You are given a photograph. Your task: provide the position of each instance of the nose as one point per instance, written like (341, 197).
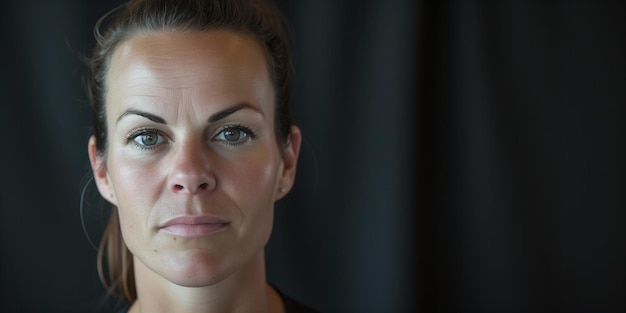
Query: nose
(191, 171)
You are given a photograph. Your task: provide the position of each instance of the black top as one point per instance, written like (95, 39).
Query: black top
(291, 306)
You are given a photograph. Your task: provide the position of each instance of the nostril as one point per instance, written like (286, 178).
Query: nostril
(181, 188)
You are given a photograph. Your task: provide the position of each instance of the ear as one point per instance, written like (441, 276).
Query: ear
(100, 175)
(290, 152)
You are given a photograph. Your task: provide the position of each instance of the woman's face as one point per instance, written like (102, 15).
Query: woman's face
(193, 164)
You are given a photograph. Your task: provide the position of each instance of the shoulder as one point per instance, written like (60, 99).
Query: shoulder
(124, 308)
(292, 306)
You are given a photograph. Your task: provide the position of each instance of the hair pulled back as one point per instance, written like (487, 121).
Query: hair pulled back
(258, 18)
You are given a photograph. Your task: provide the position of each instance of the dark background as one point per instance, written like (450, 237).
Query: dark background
(459, 156)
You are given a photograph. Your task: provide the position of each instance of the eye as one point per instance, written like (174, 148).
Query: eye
(147, 138)
(234, 135)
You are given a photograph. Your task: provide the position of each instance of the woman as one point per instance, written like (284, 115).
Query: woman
(193, 143)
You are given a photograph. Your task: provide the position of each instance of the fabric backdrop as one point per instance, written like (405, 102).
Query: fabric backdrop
(458, 156)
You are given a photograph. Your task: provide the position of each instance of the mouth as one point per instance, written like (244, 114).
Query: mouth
(194, 226)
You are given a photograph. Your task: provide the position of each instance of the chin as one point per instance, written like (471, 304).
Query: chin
(196, 268)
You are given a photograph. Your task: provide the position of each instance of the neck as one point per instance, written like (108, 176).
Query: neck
(242, 292)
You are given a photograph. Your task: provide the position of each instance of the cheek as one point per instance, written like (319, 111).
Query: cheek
(255, 177)
(252, 183)
(134, 180)
(136, 185)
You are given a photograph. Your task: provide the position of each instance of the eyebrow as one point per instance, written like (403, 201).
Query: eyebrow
(224, 113)
(147, 115)
(212, 119)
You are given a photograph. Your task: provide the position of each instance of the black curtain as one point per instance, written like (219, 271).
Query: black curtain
(522, 177)
(458, 156)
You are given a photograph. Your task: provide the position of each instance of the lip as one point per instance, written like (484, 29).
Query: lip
(194, 226)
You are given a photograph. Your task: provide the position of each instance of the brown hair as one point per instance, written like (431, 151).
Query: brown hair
(256, 17)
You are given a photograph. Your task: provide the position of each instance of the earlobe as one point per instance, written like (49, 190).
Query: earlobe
(290, 152)
(100, 175)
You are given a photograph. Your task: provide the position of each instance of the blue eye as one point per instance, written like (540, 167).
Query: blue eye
(234, 135)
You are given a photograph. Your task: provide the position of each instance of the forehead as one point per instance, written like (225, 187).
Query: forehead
(180, 64)
(204, 51)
